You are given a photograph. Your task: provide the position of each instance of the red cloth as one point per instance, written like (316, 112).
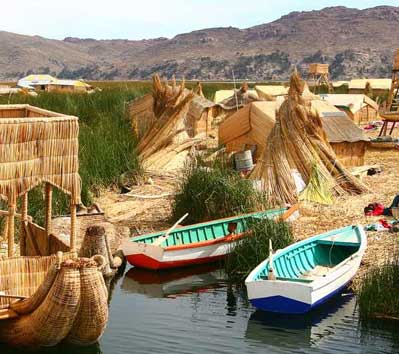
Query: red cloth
(385, 223)
(378, 210)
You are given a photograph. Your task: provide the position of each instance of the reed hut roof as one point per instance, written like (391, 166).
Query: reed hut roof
(257, 119)
(379, 84)
(353, 102)
(38, 146)
(271, 90)
(340, 128)
(340, 83)
(238, 99)
(33, 80)
(222, 95)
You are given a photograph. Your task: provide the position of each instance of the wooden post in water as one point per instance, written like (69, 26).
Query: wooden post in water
(49, 212)
(24, 220)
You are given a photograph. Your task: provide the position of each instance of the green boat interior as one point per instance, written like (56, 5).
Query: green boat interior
(208, 231)
(309, 260)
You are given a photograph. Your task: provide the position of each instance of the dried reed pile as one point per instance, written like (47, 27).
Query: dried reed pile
(168, 136)
(298, 142)
(66, 300)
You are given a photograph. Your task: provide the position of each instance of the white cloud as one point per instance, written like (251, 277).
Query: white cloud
(135, 19)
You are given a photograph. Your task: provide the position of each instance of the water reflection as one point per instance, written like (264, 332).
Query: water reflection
(301, 330)
(174, 282)
(196, 310)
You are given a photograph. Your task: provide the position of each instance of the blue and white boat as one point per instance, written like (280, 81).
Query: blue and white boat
(307, 273)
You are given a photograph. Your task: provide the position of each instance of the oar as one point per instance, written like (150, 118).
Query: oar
(271, 275)
(163, 238)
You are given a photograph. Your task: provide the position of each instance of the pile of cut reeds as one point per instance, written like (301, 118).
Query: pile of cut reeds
(167, 141)
(298, 142)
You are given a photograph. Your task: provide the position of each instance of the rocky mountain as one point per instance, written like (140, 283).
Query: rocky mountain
(354, 42)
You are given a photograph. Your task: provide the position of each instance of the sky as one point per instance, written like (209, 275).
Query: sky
(139, 19)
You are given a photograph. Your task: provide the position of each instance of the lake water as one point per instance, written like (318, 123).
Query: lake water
(196, 311)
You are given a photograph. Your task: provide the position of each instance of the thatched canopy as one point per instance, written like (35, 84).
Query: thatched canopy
(37, 146)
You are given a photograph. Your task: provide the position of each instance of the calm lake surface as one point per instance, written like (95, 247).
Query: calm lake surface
(196, 311)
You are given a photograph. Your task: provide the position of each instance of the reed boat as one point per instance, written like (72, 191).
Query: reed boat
(46, 300)
(194, 244)
(307, 273)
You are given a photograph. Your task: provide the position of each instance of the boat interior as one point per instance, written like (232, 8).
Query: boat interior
(207, 231)
(311, 260)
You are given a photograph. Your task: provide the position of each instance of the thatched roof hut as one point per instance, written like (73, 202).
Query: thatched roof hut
(360, 108)
(221, 95)
(270, 92)
(37, 146)
(251, 125)
(379, 86)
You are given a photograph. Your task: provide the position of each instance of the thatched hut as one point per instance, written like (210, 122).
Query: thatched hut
(48, 83)
(271, 92)
(380, 87)
(44, 300)
(37, 146)
(221, 95)
(359, 107)
(251, 125)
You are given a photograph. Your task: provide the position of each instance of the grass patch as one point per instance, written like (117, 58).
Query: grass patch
(378, 294)
(107, 146)
(209, 193)
(252, 250)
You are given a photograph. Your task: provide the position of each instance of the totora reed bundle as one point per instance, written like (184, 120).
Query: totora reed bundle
(168, 136)
(298, 142)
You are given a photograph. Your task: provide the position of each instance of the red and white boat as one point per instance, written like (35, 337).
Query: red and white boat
(194, 244)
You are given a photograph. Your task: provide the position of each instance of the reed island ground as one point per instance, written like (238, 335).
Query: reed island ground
(143, 213)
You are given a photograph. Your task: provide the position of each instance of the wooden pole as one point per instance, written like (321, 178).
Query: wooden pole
(11, 227)
(24, 217)
(48, 204)
(73, 226)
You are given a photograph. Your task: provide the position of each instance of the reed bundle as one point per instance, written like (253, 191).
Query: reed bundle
(168, 135)
(296, 142)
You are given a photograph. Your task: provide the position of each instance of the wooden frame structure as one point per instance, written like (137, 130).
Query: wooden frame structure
(318, 75)
(37, 146)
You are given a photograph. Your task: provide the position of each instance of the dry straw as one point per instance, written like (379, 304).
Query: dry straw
(298, 141)
(37, 146)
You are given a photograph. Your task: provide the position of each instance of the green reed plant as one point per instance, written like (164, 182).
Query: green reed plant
(248, 252)
(378, 293)
(213, 192)
(107, 146)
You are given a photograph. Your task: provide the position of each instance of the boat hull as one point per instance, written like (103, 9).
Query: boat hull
(143, 254)
(180, 258)
(299, 297)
